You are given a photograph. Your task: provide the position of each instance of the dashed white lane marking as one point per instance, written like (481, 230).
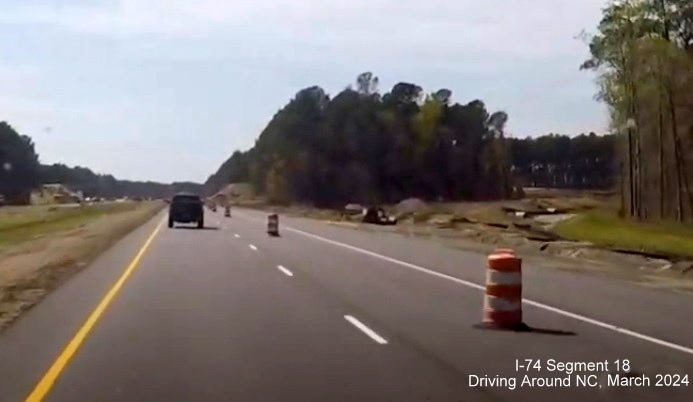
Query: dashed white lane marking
(285, 271)
(236, 235)
(358, 324)
(252, 247)
(533, 303)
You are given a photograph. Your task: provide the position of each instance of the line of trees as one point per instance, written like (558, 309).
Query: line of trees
(361, 146)
(560, 161)
(19, 164)
(643, 53)
(104, 185)
(21, 172)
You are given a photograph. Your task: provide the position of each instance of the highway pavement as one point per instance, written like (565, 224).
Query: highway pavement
(324, 313)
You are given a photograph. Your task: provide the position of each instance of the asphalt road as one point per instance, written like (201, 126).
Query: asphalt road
(323, 313)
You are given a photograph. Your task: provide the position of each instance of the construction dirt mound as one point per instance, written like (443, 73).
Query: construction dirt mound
(411, 206)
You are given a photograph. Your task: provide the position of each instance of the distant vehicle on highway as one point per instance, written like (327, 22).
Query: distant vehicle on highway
(186, 208)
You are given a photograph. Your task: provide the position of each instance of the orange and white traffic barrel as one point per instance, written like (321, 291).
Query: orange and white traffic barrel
(503, 295)
(273, 225)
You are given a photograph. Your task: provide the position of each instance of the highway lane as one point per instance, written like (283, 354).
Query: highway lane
(647, 310)
(29, 346)
(216, 321)
(437, 315)
(207, 318)
(233, 314)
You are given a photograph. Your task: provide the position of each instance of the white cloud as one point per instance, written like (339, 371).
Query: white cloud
(467, 36)
(16, 106)
(514, 28)
(15, 79)
(141, 55)
(31, 117)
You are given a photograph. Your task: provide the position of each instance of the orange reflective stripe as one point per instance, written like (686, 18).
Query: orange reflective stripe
(510, 292)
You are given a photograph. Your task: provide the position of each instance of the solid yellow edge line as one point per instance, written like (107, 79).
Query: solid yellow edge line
(49, 378)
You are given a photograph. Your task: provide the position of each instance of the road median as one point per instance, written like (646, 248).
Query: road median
(43, 247)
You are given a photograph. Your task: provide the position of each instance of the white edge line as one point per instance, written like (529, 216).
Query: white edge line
(252, 247)
(358, 324)
(236, 235)
(285, 271)
(546, 307)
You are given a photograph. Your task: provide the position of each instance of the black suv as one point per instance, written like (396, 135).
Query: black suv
(186, 208)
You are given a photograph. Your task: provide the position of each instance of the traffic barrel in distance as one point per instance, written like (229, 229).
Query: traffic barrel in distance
(503, 295)
(273, 225)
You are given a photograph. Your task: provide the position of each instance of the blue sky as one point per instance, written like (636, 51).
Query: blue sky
(167, 89)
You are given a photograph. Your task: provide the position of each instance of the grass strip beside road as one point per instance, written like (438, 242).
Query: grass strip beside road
(609, 231)
(20, 224)
(33, 267)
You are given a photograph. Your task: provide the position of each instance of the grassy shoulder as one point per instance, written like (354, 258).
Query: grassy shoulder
(20, 224)
(609, 231)
(47, 247)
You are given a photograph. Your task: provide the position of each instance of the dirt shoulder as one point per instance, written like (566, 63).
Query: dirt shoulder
(45, 252)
